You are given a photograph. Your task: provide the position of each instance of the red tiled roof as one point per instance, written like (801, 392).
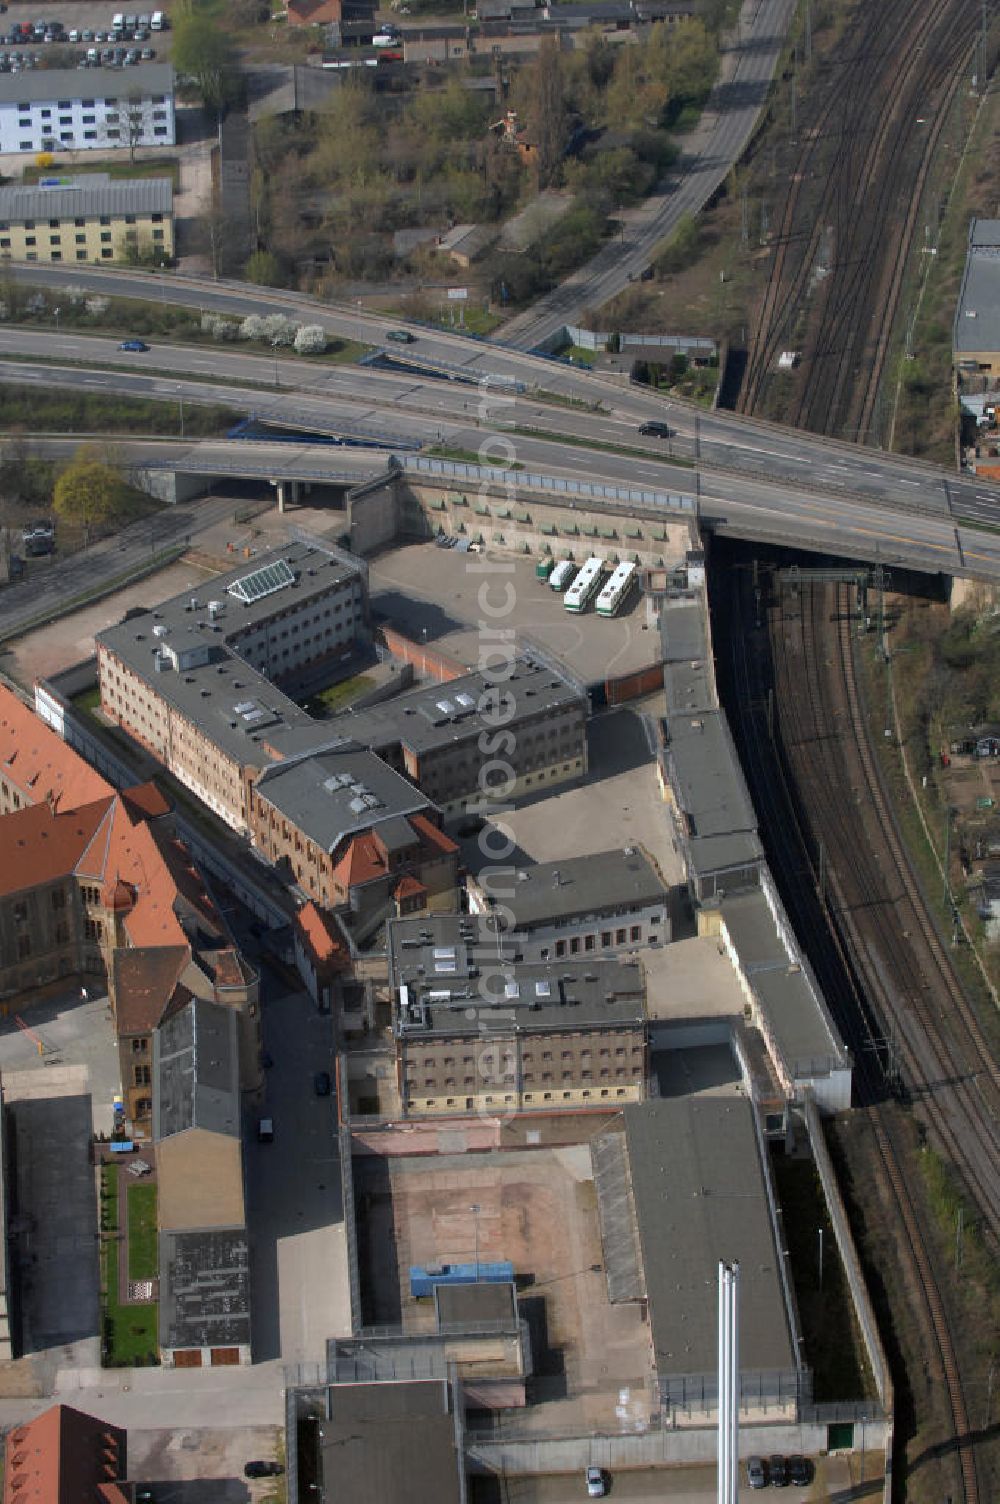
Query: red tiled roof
(39, 763)
(146, 982)
(362, 862)
(320, 936)
(430, 833)
(38, 846)
(408, 887)
(64, 1456)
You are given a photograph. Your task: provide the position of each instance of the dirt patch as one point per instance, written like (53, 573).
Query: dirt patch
(537, 1210)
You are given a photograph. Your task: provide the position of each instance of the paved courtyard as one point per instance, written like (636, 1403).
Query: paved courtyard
(423, 589)
(619, 802)
(538, 1210)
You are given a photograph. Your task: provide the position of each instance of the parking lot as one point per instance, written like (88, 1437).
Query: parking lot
(837, 1478)
(433, 595)
(60, 51)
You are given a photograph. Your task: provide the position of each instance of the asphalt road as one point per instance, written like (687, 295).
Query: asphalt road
(767, 483)
(708, 154)
(721, 441)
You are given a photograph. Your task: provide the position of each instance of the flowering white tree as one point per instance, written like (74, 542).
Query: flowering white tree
(310, 340)
(219, 328)
(253, 327)
(278, 330)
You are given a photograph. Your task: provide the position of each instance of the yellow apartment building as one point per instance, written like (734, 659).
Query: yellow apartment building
(88, 218)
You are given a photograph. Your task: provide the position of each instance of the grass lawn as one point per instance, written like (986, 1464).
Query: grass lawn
(328, 701)
(130, 1332)
(142, 1262)
(88, 699)
(115, 167)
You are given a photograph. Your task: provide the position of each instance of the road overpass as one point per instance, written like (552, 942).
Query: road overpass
(748, 475)
(707, 155)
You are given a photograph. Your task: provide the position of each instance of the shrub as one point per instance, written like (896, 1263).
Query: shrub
(310, 339)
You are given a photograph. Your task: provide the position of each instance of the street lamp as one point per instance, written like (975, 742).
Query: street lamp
(180, 407)
(475, 1209)
(57, 312)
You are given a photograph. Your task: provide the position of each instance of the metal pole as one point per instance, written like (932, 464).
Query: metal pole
(820, 1230)
(722, 1481)
(734, 1380)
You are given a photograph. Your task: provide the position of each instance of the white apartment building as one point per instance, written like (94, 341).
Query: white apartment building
(87, 109)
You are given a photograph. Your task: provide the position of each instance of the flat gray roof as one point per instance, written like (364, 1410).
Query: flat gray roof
(338, 793)
(205, 1288)
(700, 1196)
(795, 1012)
(455, 984)
(467, 1307)
(688, 677)
(39, 85)
(977, 317)
(196, 1064)
(712, 793)
(96, 193)
(438, 714)
(620, 878)
(391, 1443)
(232, 702)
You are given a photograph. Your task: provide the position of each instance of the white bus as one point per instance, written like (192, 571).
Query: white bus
(617, 589)
(583, 587)
(562, 574)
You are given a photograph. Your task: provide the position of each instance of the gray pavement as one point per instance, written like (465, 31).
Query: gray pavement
(837, 1479)
(294, 1208)
(432, 594)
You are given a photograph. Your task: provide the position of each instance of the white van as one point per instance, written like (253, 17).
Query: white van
(157, 21)
(118, 21)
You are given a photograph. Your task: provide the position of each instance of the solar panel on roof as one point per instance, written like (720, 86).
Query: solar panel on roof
(264, 581)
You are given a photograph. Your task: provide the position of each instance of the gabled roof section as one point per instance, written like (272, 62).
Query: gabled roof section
(38, 846)
(40, 764)
(64, 1456)
(146, 984)
(197, 1071)
(320, 938)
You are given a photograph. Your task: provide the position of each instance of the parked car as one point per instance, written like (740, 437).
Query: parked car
(136, 346)
(147, 54)
(779, 1473)
(756, 1472)
(800, 1471)
(400, 336)
(596, 1485)
(265, 1135)
(654, 430)
(321, 1083)
(263, 1470)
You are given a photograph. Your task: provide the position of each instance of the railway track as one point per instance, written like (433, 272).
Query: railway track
(844, 878)
(905, 65)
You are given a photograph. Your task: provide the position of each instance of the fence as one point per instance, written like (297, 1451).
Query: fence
(591, 339)
(347, 1193)
(555, 484)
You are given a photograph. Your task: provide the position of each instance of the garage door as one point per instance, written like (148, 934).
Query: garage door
(189, 1357)
(225, 1357)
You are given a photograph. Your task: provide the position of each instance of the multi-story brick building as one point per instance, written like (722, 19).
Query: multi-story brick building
(579, 908)
(477, 738)
(192, 679)
(354, 835)
(103, 888)
(477, 1033)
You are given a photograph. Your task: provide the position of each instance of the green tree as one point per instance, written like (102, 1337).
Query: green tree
(263, 268)
(201, 51)
(88, 491)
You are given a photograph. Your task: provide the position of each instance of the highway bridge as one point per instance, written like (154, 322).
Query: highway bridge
(751, 478)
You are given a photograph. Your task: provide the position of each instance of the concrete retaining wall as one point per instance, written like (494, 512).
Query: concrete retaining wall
(694, 1444)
